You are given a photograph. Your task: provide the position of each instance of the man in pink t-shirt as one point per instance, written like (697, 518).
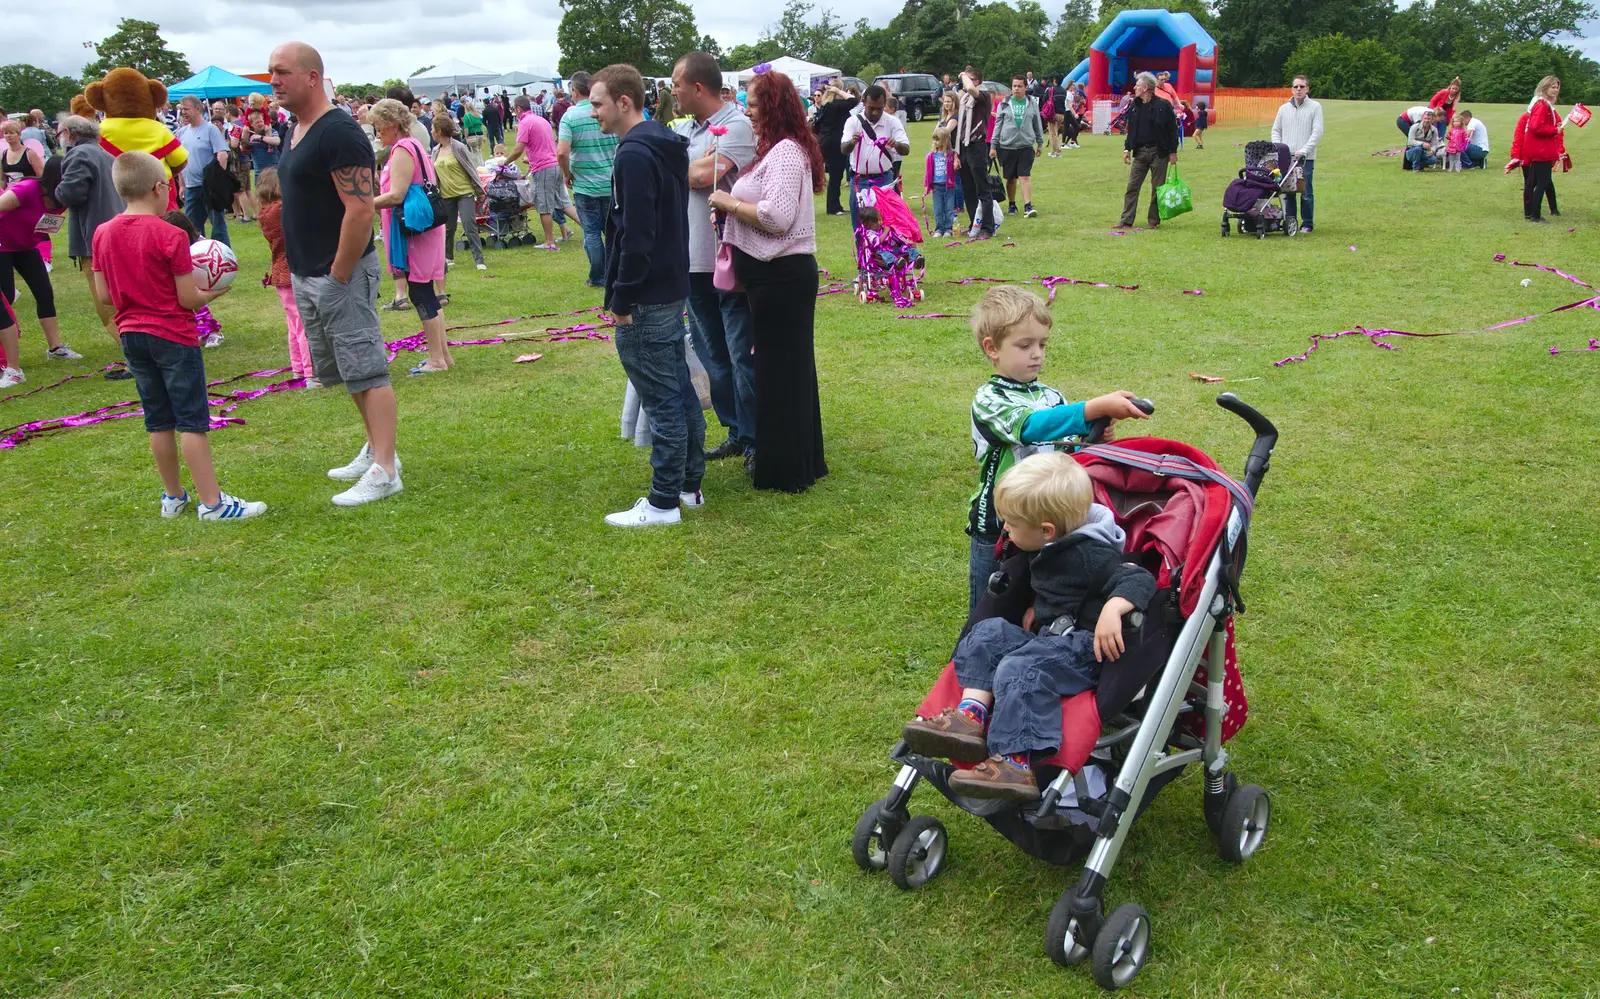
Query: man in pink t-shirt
(537, 140)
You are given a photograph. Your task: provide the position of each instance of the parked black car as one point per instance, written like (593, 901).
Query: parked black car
(918, 93)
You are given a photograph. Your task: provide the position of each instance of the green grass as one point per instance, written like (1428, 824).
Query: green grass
(470, 742)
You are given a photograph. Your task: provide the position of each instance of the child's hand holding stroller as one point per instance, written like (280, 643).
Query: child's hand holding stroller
(1114, 406)
(1108, 643)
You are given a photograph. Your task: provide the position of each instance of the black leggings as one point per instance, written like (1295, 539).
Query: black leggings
(424, 298)
(1071, 125)
(836, 163)
(974, 180)
(1538, 183)
(30, 265)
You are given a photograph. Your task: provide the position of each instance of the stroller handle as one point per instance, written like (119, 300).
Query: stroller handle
(1260, 459)
(1099, 425)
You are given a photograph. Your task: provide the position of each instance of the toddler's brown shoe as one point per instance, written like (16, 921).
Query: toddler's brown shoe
(950, 734)
(995, 777)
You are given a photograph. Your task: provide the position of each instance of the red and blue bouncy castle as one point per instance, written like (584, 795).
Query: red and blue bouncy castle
(1151, 40)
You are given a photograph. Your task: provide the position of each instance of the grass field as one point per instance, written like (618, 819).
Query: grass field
(471, 742)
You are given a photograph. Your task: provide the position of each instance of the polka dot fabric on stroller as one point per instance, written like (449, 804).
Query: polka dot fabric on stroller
(888, 264)
(1170, 701)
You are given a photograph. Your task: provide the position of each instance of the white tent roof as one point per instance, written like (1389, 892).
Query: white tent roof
(452, 74)
(798, 70)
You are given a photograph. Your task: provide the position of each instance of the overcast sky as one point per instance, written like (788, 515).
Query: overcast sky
(367, 41)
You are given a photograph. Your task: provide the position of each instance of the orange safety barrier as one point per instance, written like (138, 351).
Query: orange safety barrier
(1248, 111)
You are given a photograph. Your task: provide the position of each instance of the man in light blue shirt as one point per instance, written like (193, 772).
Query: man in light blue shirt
(205, 145)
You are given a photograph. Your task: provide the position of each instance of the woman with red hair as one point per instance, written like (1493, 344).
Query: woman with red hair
(771, 234)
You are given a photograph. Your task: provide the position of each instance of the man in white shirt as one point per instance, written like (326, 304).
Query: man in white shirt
(872, 142)
(1477, 153)
(1299, 126)
(1410, 116)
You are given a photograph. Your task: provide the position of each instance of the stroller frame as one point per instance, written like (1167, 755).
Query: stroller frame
(1156, 751)
(1288, 183)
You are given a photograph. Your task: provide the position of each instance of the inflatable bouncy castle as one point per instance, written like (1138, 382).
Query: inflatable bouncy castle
(1153, 40)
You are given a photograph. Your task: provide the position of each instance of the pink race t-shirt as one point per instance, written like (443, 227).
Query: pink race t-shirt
(538, 140)
(17, 227)
(139, 256)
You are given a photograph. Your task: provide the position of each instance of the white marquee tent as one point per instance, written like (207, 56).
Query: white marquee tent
(798, 70)
(452, 74)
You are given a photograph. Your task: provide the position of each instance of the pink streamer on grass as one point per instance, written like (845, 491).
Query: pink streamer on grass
(1501, 258)
(45, 388)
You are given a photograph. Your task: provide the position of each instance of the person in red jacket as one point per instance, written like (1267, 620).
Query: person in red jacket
(1541, 144)
(1444, 105)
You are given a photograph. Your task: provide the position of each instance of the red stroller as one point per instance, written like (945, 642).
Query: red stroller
(1170, 701)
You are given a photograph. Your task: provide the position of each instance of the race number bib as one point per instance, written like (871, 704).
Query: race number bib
(48, 225)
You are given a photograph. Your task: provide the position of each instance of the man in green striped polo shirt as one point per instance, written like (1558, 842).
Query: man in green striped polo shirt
(585, 155)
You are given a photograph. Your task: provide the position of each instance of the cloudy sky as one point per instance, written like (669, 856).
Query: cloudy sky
(369, 40)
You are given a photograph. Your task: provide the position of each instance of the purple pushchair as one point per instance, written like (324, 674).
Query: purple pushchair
(1255, 198)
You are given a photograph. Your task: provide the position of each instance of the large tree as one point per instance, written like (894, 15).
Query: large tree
(1257, 36)
(24, 87)
(1342, 69)
(138, 45)
(1005, 41)
(648, 34)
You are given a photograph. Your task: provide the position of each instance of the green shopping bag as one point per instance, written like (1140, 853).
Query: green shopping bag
(1172, 198)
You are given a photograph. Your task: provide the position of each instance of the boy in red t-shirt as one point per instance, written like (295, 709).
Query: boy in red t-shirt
(142, 268)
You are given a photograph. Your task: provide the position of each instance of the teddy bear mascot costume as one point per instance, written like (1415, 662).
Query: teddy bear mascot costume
(129, 101)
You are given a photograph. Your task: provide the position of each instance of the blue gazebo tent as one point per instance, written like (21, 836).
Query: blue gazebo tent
(211, 83)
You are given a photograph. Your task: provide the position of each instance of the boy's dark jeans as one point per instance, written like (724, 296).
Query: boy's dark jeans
(652, 351)
(1029, 675)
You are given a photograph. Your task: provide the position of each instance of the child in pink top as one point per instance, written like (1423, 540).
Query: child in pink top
(942, 180)
(1455, 143)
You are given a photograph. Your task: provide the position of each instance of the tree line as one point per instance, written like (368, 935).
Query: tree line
(1352, 49)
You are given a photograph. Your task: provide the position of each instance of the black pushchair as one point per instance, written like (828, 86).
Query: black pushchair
(1255, 198)
(502, 217)
(1172, 700)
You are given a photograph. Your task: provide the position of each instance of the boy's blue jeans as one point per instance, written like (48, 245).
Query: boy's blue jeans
(944, 208)
(651, 349)
(1029, 675)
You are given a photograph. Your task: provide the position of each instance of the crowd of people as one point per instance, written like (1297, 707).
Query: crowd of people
(693, 201)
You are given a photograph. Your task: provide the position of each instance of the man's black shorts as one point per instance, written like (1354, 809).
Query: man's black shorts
(1016, 163)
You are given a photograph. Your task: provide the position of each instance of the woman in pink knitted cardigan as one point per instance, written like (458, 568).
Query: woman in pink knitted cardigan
(771, 229)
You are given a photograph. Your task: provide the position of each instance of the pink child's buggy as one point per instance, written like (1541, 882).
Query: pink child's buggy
(1171, 700)
(888, 264)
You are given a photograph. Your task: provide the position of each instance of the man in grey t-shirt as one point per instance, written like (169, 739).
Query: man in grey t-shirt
(719, 320)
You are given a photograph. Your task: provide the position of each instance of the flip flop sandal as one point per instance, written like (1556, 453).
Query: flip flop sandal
(392, 306)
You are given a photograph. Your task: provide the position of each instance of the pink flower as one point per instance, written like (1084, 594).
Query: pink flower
(718, 129)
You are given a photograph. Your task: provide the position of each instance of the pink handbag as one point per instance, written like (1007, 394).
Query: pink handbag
(722, 277)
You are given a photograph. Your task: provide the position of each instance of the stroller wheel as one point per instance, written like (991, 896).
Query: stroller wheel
(1224, 225)
(918, 853)
(1063, 939)
(864, 295)
(873, 837)
(1121, 947)
(1244, 822)
(498, 243)
(916, 294)
(1291, 228)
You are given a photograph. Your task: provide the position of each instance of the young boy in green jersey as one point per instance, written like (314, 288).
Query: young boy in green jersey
(1014, 416)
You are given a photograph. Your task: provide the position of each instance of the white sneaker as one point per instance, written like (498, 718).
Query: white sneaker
(11, 376)
(173, 506)
(214, 340)
(483, 267)
(642, 514)
(358, 466)
(375, 484)
(227, 508)
(693, 501)
(313, 382)
(64, 353)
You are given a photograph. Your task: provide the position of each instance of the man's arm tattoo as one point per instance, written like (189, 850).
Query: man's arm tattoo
(354, 181)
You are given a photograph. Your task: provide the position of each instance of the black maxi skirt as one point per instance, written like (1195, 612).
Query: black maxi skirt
(783, 310)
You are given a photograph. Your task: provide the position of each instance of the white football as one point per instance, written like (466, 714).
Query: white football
(215, 266)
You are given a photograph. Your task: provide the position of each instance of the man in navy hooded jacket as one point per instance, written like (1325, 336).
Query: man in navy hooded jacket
(647, 283)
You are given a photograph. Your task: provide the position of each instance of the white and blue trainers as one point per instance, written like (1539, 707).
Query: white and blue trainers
(643, 514)
(228, 508)
(173, 506)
